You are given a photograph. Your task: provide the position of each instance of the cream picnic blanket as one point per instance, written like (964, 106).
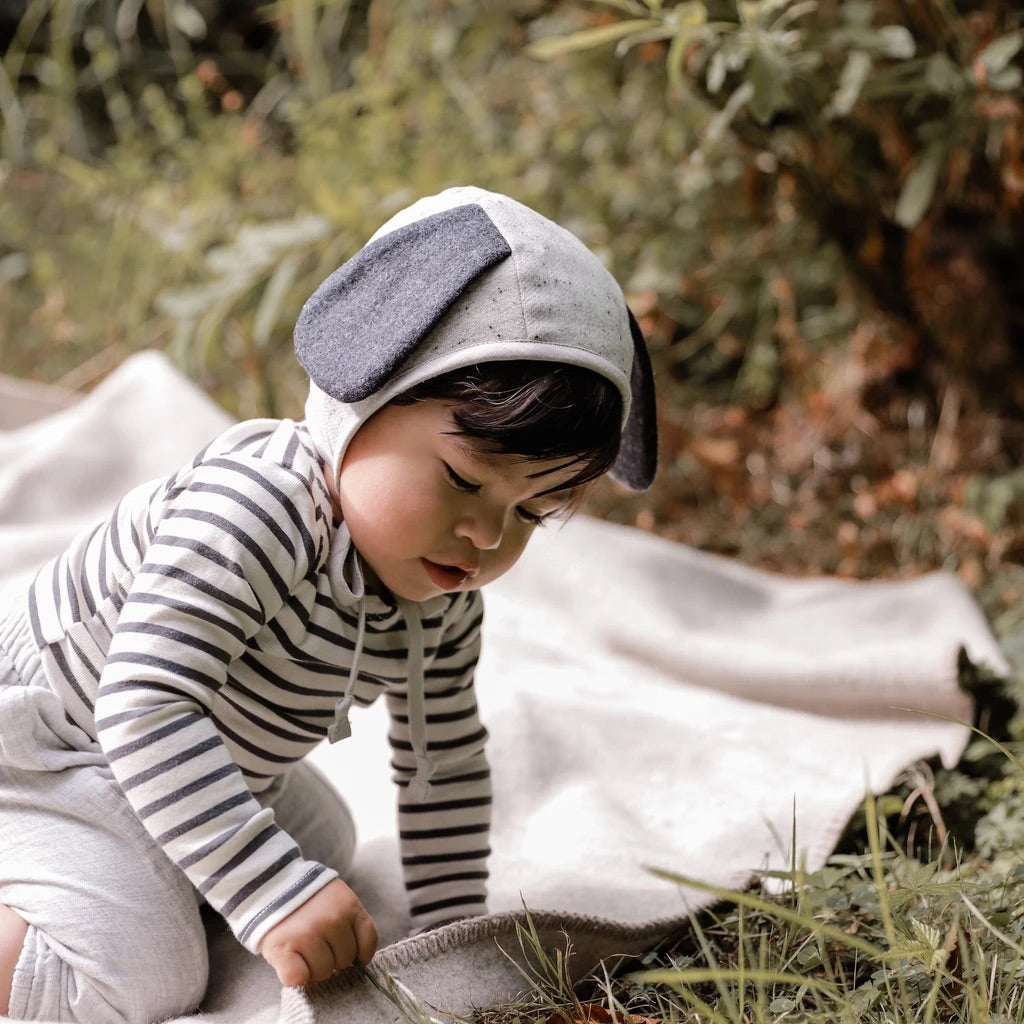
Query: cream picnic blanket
(649, 705)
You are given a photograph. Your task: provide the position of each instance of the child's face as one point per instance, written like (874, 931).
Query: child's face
(429, 512)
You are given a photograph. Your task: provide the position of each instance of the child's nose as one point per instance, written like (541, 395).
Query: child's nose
(483, 530)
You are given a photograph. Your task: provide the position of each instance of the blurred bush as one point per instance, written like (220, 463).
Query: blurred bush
(814, 207)
(761, 175)
(167, 192)
(895, 129)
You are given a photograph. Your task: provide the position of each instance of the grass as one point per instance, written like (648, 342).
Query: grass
(872, 937)
(917, 918)
(904, 924)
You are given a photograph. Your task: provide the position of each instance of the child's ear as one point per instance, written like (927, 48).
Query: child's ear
(372, 312)
(638, 453)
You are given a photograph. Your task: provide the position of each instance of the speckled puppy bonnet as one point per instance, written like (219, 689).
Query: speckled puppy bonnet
(464, 277)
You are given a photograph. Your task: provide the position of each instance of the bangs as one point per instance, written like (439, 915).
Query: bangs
(538, 411)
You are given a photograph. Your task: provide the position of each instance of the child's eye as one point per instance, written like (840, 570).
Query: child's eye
(458, 482)
(532, 518)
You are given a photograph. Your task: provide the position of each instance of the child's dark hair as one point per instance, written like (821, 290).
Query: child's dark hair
(538, 410)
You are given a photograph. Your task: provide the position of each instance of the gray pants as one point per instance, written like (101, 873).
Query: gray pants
(115, 934)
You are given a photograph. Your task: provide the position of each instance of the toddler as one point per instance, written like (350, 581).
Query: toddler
(471, 370)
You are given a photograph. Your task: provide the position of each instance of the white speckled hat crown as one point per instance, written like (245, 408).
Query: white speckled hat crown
(465, 277)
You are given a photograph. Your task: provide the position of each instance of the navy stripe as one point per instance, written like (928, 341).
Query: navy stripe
(203, 586)
(449, 780)
(426, 859)
(183, 722)
(203, 782)
(441, 717)
(255, 748)
(193, 643)
(115, 537)
(201, 819)
(309, 732)
(250, 506)
(303, 883)
(212, 846)
(240, 537)
(175, 761)
(205, 551)
(261, 879)
(445, 805)
(461, 876)
(239, 858)
(203, 614)
(454, 901)
(475, 738)
(173, 668)
(443, 833)
(283, 499)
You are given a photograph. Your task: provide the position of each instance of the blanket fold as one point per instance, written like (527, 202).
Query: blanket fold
(648, 705)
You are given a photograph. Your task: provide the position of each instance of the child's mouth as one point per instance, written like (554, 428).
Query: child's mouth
(446, 577)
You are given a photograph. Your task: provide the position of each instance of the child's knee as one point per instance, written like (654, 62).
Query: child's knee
(160, 970)
(136, 979)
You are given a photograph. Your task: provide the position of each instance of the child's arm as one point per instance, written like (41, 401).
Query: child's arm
(444, 837)
(234, 539)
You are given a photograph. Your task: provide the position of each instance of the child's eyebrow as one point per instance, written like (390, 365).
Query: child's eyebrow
(493, 460)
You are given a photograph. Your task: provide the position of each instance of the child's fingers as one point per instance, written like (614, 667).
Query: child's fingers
(324, 956)
(365, 932)
(290, 966)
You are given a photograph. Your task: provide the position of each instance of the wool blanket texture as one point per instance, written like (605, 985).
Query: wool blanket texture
(649, 705)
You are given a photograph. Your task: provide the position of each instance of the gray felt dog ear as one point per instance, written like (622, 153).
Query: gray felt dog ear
(376, 308)
(637, 461)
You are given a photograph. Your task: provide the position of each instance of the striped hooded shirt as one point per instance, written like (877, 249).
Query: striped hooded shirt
(215, 629)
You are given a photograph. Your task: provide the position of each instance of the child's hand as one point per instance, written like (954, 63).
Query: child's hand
(327, 933)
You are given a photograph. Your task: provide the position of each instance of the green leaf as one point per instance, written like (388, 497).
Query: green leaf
(631, 7)
(680, 977)
(1006, 80)
(718, 68)
(653, 35)
(943, 76)
(895, 41)
(721, 121)
(859, 13)
(774, 910)
(688, 15)
(919, 188)
(749, 10)
(188, 20)
(998, 54)
(676, 59)
(854, 74)
(587, 39)
(272, 299)
(768, 75)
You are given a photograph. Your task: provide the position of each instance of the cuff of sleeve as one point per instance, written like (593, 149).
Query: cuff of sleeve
(427, 916)
(251, 920)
